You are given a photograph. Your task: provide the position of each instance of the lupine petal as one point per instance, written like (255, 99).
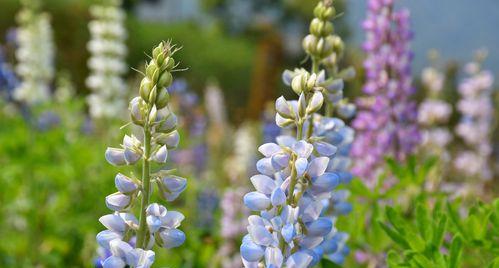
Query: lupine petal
(288, 232)
(263, 184)
(154, 223)
(113, 262)
(251, 252)
(264, 166)
(161, 155)
(117, 201)
(172, 238)
(301, 165)
(260, 235)
(317, 166)
(285, 140)
(303, 149)
(299, 259)
(115, 156)
(119, 248)
(320, 227)
(131, 156)
(278, 197)
(106, 236)
(283, 108)
(268, 149)
(311, 241)
(140, 258)
(312, 211)
(273, 257)
(172, 219)
(113, 222)
(256, 201)
(124, 184)
(280, 161)
(326, 182)
(325, 149)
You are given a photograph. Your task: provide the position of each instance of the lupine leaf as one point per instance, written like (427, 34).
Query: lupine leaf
(455, 252)
(494, 263)
(395, 220)
(423, 222)
(438, 233)
(393, 259)
(394, 235)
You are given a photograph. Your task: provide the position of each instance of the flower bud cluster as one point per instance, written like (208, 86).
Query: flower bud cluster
(35, 55)
(295, 188)
(107, 63)
(321, 43)
(387, 121)
(156, 224)
(475, 125)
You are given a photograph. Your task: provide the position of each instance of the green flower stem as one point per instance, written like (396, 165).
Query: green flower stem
(292, 183)
(315, 70)
(146, 188)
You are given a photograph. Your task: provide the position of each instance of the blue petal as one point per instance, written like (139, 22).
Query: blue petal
(256, 201)
(172, 238)
(251, 252)
(278, 197)
(320, 227)
(263, 184)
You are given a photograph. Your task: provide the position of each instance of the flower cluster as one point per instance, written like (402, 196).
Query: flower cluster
(35, 54)
(298, 175)
(434, 113)
(386, 123)
(107, 49)
(156, 224)
(475, 125)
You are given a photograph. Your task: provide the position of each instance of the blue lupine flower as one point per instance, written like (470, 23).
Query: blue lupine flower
(295, 190)
(157, 225)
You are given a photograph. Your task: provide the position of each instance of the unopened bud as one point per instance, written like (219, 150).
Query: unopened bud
(152, 95)
(162, 98)
(165, 80)
(146, 86)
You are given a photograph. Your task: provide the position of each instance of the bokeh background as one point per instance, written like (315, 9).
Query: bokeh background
(53, 174)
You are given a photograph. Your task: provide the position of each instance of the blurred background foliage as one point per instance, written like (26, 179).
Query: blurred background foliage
(56, 181)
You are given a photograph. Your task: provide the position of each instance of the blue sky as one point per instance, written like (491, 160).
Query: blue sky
(454, 27)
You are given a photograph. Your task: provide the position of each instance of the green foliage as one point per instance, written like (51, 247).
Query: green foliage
(470, 241)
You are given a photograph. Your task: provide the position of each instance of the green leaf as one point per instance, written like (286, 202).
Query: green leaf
(423, 222)
(422, 261)
(494, 263)
(455, 252)
(394, 235)
(393, 259)
(438, 233)
(395, 219)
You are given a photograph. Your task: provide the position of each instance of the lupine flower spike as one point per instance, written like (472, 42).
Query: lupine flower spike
(434, 113)
(35, 54)
(386, 123)
(107, 64)
(297, 176)
(128, 239)
(475, 124)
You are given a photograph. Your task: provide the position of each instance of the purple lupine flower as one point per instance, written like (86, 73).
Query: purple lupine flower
(475, 125)
(386, 121)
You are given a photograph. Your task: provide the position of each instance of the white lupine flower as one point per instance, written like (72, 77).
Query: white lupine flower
(107, 64)
(475, 125)
(35, 56)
